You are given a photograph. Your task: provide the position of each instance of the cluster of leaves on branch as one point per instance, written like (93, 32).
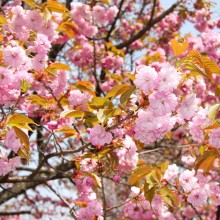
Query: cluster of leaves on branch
(106, 112)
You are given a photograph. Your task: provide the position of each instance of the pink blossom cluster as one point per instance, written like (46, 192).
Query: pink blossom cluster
(12, 141)
(148, 127)
(8, 165)
(127, 155)
(84, 187)
(88, 165)
(77, 97)
(91, 211)
(85, 17)
(99, 137)
(112, 62)
(82, 56)
(197, 186)
(198, 122)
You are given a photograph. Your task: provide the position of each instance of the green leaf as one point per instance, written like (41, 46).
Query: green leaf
(139, 173)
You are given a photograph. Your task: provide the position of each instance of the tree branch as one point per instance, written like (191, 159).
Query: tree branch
(116, 18)
(15, 213)
(72, 211)
(149, 25)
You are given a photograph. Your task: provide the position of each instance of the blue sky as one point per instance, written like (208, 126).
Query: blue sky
(188, 27)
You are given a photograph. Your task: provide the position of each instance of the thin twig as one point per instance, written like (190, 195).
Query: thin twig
(72, 211)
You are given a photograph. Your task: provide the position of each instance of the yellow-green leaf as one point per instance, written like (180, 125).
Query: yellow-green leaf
(139, 173)
(169, 196)
(99, 102)
(213, 112)
(19, 120)
(23, 138)
(179, 46)
(37, 100)
(72, 114)
(206, 161)
(23, 153)
(56, 6)
(25, 86)
(126, 95)
(31, 3)
(59, 66)
(149, 192)
(117, 90)
(96, 179)
(211, 65)
(3, 20)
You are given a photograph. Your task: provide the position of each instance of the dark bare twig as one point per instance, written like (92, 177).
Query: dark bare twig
(114, 22)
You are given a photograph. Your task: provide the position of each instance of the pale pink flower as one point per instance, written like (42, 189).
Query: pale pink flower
(59, 83)
(199, 121)
(112, 62)
(91, 211)
(188, 180)
(39, 62)
(78, 98)
(111, 14)
(13, 56)
(99, 14)
(188, 159)
(188, 107)
(34, 20)
(197, 197)
(8, 165)
(171, 172)
(149, 127)
(145, 78)
(214, 139)
(127, 155)
(168, 78)
(88, 165)
(99, 137)
(162, 103)
(12, 141)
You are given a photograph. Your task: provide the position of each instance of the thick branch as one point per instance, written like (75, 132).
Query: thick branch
(149, 25)
(22, 187)
(15, 213)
